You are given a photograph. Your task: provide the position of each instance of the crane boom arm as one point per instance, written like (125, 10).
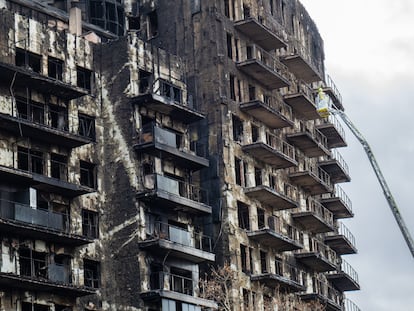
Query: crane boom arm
(381, 180)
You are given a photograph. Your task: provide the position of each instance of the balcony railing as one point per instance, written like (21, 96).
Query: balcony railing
(290, 272)
(172, 282)
(336, 95)
(343, 230)
(333, 121)
(315, 134)
(325, 251)
(24, 213)
(319, 210)
(340, 195)
(280, 145)
(350, 306)
(151, 133)
(347, 269)
(175, 187)
(270, 72)
(181, 236)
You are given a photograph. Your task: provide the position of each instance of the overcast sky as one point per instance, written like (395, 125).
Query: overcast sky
(369, 47)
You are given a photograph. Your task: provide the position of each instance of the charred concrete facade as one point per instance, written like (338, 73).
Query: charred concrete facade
(142, 141)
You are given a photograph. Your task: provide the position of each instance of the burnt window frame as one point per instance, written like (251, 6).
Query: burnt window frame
(84, 78)
(34, 160)
(238, 128)
(243, 215)
(59, 166)
(55, 68)
(28, 60)
(90, 224)
(92, 273)
(87, 127)
(88, 172)
(107, 14)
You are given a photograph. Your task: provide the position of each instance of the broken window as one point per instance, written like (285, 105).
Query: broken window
(237, 170)
(255, 133)
(58, 117)
(243, 258)
(28, 60)
(152, 24)
(92, 273)
(30, 110)
(252, 92)
(263, 262)
(170, 91)
(260, 218)
(229, 46)
(32, 264)
(226, 8)
(181, 281)
(84, 78)
(30, 160)
(243, 215)
(59, 166)
(273, 182)
(278, 266)
(90, 224)
(237, 128)
(87, 174)
(108, 14)
(55, 68)
(246, 300)
(258, 176)
(232, 85)
(86, 126)
(29, 306)
(145, 82)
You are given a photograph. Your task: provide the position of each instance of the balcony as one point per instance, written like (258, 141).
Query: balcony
(342, 241)
(272, 151)
(173, 193)
(21, 73)
(278, 199)
(44, 123)
(164, 285)
(301, 98)
(314, 217)
(38, 275)
(164, 239)
(350, 306)
(266, 33)
(333, 131)
(324, 294)
(330, 88)
(264, 68)
(166, 98)
(27, 174)
(309, 140)
(319, 257)
(22, 220)
(271, 112)
(311, 178)
(286, 277)
(345, 279)
(338, 203)
(336, 167)
(168, 145)
(300, 64)
(279, 236)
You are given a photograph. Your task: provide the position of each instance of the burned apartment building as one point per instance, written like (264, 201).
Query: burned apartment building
(144, 142)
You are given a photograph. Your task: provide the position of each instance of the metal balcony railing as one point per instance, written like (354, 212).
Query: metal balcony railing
(350, 306)
(283, 229)
(20, 212)
(323, 288)
(175, 187)
(290, 272)
(339, 193)
(319, 210)
(291, 191)
(181, 236)
(347, 269)
(322, 249)
(336, 124)
(330, 84)
(314, 133)
(279, 145)
(172, 282)
(301, 87)
(338, 157)
(343, 230)
(305, 165)
(255, 52)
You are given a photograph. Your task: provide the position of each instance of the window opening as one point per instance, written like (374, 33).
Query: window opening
(229, 46)
(261, 218)
(84, 78)
(252, 92)
(87, 174)
(226, 8)
(30, 160)
(28, 60)
(263, 262)
(278, 266)
(59, 166)
(237, 128)
(86, 126)
(243, 257)
(90, 224)
(91, 273)
(255, 133)
(246, 300)
(145, 82)
(243, 215)
(246, 11)
(152, 24)
(237, 169)
(28, 306)
(58, 117)
(55, 68)
(258, 176)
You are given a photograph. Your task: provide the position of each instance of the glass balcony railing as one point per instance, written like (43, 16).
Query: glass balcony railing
(179, 235)
(20, 212)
